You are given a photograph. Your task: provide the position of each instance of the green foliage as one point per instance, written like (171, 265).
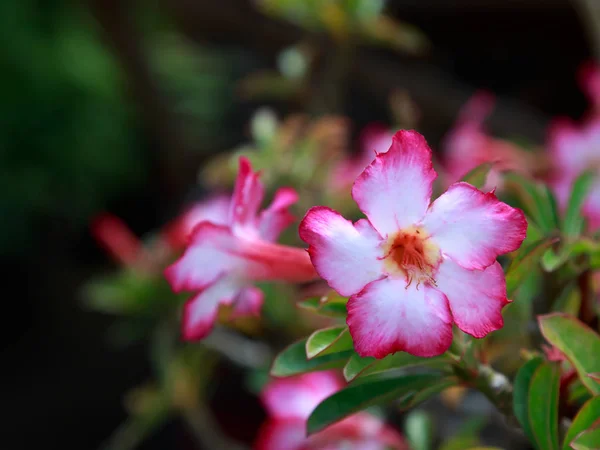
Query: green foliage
(327, 341)
(360, 367)
(521, 394)
(578, 342)
(293, 361)
(478, 175)
(543, 406)
(357, 397)
(588, 440)
(573, 222)
(585, 418)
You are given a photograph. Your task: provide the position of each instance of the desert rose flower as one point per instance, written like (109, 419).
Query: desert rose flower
(375, 138)
(574, 149)
(468, 145)
(413, 268)
(290, 401)
(589, 80)
(223, 261)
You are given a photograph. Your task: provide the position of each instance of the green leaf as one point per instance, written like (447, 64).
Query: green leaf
(573, 222)
(330, 304)
(543, 405)
(358, 397)
(358, 366)
(588, 440)
(328, 340)
(478, 175)
(412, 400)
(552, 259)
(467, 436)
(537, 201)
(579, 343)
(569, 300)
(292, 361)
(418, 429)
(584, 419)
(526, 261)
(521, 394)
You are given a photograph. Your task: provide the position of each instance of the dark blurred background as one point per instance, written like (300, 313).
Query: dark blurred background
(114, 105)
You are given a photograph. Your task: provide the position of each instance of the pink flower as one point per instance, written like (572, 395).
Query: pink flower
(375, 138)
(214, 209)
(589, 80)
(573, 150)
(468, 145)
(223, 260)
(290, 401)
(413, 268)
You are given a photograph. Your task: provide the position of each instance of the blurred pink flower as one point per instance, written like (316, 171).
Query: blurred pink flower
(223, 261)
(448, 248)
(468, 145)
(589, 80)
(574, 149)
(214, 209)
(118, 240)
(290, 401)
(375, 138)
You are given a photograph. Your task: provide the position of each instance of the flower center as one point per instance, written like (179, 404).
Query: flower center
(410, 253)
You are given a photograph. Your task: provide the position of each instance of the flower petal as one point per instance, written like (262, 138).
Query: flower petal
(248, 303)
(473, 228)
(276, 217)
(345, 255)
(247, 197)
(395, 189)
(205, 260)
(200, 312)
(116, 237)
(476, 297)
(298, 396)
(281, 434)
(388, 316)
(214, 209)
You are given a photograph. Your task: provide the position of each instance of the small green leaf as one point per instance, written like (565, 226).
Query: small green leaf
(358, 397)
(330, 305)
(526, 261)
(553, 259)
(543, 405)
(588, 440)
(358, 366)
(292, 361)
(328, 340)
(521, 394)
(478, 175)
(573, 222)
(584, 419)
(579, 343)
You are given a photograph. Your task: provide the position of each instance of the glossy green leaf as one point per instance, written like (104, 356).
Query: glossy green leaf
(587, 415)
(358, 366)
(328, 340)
(543, 405)
(573, 222)
(589, 439)
(526, 261)
(292, 361)
(412, 400)
(358, 397)
(579, 343)
(521, 394)
(478, 175)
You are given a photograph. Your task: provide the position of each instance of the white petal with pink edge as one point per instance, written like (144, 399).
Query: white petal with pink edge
(205, 260)
(200, 312)
(476, 297)
(274, 219)
(395, 189)
(248, 303)
(388, 316)
(473, 228)
(298, 396)
(346, 255)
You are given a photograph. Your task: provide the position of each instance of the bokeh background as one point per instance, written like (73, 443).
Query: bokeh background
(114, 105)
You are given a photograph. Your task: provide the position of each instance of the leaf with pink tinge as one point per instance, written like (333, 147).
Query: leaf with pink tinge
(584, 419)
(579, 343)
